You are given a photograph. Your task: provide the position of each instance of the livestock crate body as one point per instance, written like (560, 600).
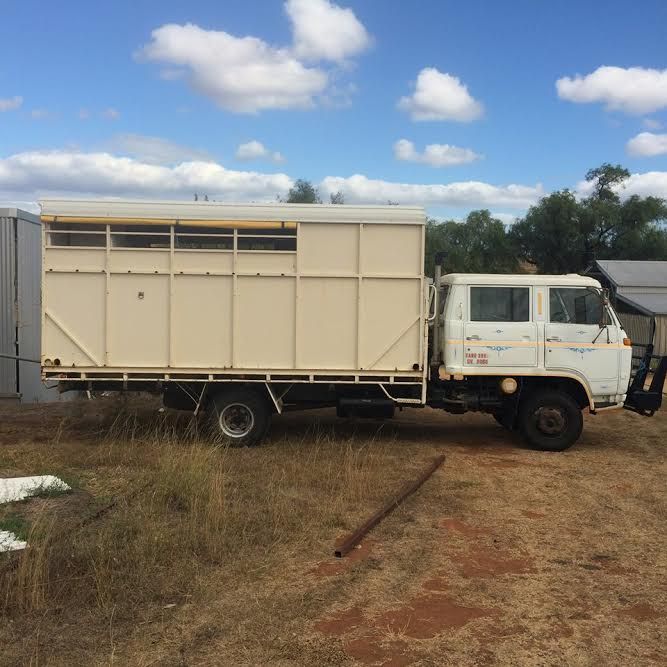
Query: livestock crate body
(140, 290)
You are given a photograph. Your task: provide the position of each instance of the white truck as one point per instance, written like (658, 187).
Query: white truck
(242, 311)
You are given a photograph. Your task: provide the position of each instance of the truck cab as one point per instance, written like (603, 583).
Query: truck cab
(531, 350)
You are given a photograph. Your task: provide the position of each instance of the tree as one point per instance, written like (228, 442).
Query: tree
(549, 235)
(303, 192)
(337, 197)
(563, 234)
(478, 245)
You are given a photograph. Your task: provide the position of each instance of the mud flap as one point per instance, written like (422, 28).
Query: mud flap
(647, 401)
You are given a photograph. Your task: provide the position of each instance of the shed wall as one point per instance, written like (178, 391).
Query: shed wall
(20, 308)
(8, 376)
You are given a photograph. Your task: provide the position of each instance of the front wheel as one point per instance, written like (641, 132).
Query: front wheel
(550, 421)
(240, 416)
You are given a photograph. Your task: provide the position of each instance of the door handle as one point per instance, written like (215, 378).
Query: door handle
(554, 339)
(475, 337)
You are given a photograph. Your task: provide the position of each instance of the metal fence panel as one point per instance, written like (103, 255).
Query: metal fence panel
(8, 386)
(29, 311)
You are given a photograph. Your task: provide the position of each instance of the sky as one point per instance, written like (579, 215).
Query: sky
(451, 105)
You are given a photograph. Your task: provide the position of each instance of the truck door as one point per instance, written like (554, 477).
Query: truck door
(574, 340)
(499, 330)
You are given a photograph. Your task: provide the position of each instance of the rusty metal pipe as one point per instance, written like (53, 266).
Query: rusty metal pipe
(354, 538)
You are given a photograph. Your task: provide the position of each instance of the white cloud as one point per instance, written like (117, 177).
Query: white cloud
(10, 103)
(40, 114)
(111, 114)
(647, 184)
(324, 31)
(505, 218)
(435, 155)
(247, 75)
(241, 74)
(647, 144)
(360, 189)
(440, 96)
(633, 90)
(83, 114)
(104, 174)
(155, 150)
(256, 150)
(652, 124)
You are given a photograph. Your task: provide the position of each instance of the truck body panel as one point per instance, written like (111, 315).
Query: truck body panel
(283, 289)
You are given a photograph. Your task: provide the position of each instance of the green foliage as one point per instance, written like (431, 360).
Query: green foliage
(562, 234)
(549, 236)
(478, 245)
(15, 524)
(303, 192)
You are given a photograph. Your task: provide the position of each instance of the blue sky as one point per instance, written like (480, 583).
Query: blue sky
(154, 99)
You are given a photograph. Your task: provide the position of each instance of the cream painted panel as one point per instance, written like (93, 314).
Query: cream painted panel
(328, 248)
(66, 259)
(391, 250)
(260, 262)
(146, 261)
(199, 261)
(328, 323)
(390, 324)
(76, 303)
(138, 320)
(202, 322)
(266, 322)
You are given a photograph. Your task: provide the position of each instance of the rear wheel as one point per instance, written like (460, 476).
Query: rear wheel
(550, 421)
(240, 417)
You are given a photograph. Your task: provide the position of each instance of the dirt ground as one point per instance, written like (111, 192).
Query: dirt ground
(505, 556)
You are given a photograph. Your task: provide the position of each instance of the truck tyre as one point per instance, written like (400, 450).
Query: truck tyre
(240, 417)
(550, 421)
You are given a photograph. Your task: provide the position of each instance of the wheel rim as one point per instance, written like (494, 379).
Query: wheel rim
(236, 420)
(550, 421)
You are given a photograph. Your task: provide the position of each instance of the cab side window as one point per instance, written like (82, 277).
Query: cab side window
(568, 305)
(499, 304)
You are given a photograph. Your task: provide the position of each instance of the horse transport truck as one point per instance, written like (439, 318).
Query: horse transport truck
(243, 311)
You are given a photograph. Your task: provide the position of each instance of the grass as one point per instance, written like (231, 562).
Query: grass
(172, 550)
(188, 509)
(15, 524)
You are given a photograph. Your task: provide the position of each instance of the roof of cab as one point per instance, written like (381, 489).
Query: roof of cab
(566, 280)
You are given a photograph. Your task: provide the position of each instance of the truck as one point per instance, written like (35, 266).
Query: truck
(243, 311)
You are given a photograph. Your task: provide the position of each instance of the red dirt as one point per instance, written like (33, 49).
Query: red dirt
(641, 612)
(480, 562)
(369, 650)
(437, 584)
(344, 622)
(464, 529)
(428, 615)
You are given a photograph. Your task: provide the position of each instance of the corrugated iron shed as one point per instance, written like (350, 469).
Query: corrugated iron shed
(640, 290)
(20, 308)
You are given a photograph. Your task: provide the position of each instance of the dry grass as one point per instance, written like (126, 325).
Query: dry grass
(173, 551)
(190, 508)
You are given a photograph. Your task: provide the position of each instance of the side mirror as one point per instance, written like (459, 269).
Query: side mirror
(604, 302)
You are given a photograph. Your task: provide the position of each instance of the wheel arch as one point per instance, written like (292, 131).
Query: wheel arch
(571, 385)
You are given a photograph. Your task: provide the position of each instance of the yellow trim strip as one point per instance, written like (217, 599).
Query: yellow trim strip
(539, 303)
(233, 224)
(528, 343)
